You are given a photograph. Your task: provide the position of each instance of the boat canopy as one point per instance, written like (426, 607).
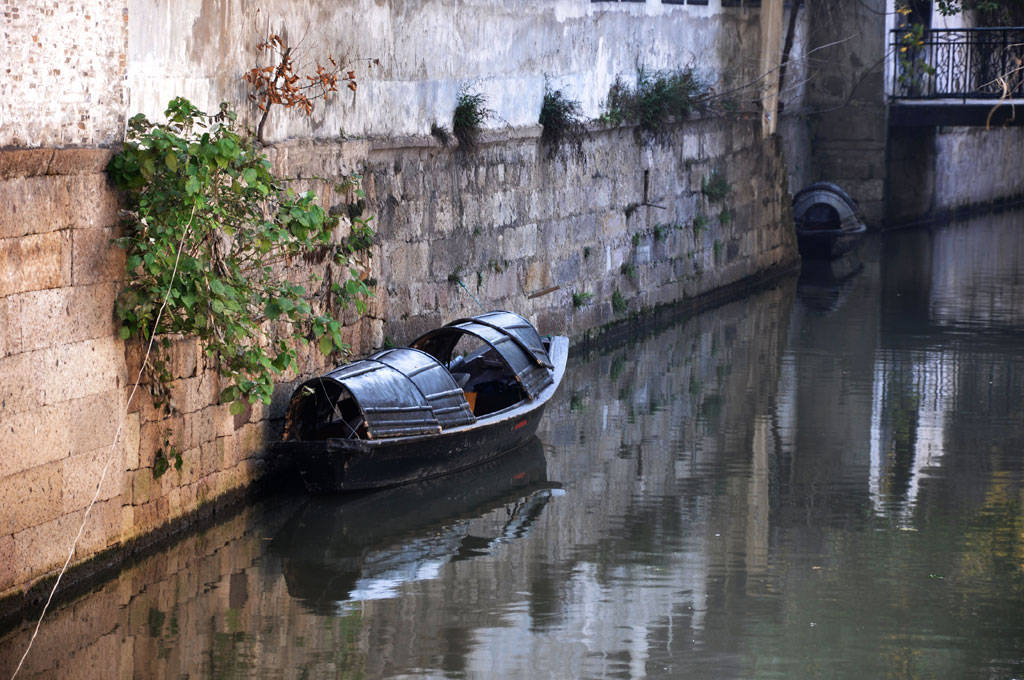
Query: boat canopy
(411, 391)
(446, 398)
(399, 392)
(511, 336)
(518, 328)
(824, 205)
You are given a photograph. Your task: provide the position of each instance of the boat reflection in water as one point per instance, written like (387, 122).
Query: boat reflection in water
(337, 550)
(824, 285)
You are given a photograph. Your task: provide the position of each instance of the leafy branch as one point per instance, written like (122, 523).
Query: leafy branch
(211, 230)
(278, 83)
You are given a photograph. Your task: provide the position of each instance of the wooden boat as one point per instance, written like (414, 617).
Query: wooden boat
(828, 223)
(459, 395)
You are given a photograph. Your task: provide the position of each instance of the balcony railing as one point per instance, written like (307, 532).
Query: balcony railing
(961, 63)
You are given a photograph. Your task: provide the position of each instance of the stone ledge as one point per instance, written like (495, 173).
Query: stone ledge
(487, 136)
(16, 163)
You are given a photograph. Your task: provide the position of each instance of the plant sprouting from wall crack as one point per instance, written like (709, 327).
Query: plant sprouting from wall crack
(277, 83)
(700, 224)
(441, 134)
(468, 120)
(164, 455)
(563, 123)
(581, 299)
(716, 187)
(656, 98)
(618, 302)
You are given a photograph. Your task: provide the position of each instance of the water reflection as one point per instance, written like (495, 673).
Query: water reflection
(338, 551)
(821, 480)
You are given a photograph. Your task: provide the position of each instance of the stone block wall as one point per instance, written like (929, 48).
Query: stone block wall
(520, 231)
(845, 100)
(525, 233)
(66, 378)
(62, 367)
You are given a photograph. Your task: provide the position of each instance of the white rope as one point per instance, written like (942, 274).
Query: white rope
(110, 454)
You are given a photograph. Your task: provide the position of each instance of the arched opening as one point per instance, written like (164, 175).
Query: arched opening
(324, 410)
(821, 216)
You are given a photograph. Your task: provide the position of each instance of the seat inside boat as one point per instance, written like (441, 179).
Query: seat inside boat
(487, 381)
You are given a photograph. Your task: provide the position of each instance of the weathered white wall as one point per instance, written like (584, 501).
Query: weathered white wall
(427, 52)
(78, 71)
(975, 166)
(62, 69)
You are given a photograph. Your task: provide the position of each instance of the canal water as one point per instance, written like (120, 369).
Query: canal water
(822, 480)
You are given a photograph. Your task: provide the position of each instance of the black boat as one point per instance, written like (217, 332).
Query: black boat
(459, 395)
(828, 223)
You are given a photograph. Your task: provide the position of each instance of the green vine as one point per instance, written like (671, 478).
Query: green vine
(212, 231)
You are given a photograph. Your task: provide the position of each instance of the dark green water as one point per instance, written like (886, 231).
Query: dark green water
(823, 480)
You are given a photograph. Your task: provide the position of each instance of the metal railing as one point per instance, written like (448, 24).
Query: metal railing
(960, 63)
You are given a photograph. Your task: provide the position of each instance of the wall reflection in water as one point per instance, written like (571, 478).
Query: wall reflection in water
(821, 480)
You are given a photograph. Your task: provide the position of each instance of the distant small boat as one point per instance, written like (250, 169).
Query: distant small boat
(828, 223)
(408, 414)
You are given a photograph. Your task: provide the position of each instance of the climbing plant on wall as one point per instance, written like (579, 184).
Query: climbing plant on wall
(211, 232)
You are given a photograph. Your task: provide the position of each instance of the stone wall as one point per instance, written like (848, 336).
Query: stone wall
(975, 166)
(527, 233)
(67, 379)
(62, 369)
(935, 173)
(519, 230)
(845, 100)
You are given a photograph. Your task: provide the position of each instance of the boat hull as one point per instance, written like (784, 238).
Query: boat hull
(355, 464)
(335, 465)
(827, 244)
(828, 224)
